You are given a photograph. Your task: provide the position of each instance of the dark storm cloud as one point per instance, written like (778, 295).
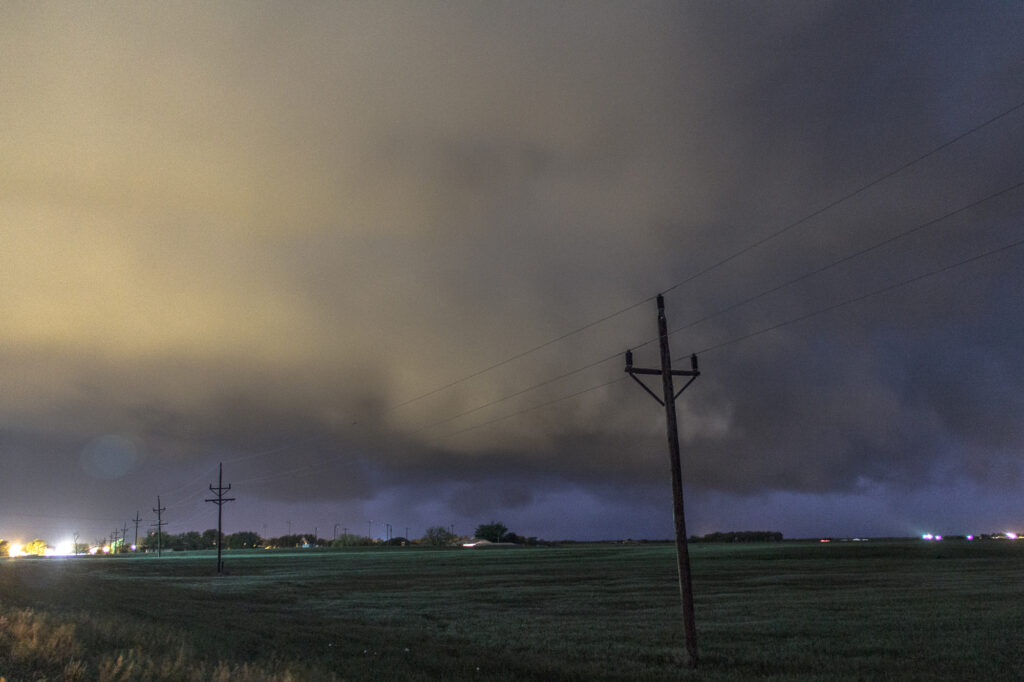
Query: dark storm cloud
(258, 249)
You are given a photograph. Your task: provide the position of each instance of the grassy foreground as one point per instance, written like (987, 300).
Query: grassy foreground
(850, 611)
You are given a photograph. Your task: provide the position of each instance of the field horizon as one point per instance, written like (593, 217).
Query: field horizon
(789, 610)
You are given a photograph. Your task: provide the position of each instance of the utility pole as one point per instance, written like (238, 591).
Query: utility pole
(220, 501)
(159, 527)
(335, 532)
(369, 529)
(669, 402)
(137, 520)
(124, 535)
(344, 535)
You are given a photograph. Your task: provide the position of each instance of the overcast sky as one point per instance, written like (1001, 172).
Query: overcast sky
(382, 261)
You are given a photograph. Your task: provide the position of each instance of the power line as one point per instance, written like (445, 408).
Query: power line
(524, 353)
(750, 247)
(738, 304)
(750, 335)
(519, 393)
(310, 468)
(861, 297)
(754, 245)
(863, 188)
(844, 259)
(736, 254)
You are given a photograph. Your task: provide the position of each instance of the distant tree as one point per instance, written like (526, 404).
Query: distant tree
(193, 540)
(243, 540)
(437, 536)
(351, 540)
(209, 538)
(286, 541)
(493, 531)
(37, 547)
(152, 542)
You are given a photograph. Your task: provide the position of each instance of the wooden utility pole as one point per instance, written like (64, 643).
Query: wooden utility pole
(220, 501)
(124, 535)
(669, 402)
(159, 527)
(137, 520)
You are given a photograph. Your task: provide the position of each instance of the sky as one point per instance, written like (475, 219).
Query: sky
(382, 261)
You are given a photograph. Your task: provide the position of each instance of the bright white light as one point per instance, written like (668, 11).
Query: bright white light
(66, 548)
(15, 549)
(938, 537)
(1011, 535)
(93, 550)
(970, 537)
(927, 536)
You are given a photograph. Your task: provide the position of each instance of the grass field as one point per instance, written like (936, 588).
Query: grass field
(790, 611)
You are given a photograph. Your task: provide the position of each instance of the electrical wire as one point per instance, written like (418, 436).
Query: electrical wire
(733, 256)
(844, 259)
(835, 263)
(759, 332)
(861, 297)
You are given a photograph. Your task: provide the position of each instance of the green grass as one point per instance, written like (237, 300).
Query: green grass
(843, 611)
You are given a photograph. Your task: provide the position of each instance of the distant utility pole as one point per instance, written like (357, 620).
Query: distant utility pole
(669, 402)
(369, 529)
(137, 520)
(159, 527)
(289, 528)
(124, 534)
(335, 532)
(220, 501)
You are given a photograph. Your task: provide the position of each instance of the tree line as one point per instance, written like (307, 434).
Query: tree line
(437, 536)
(740, 536)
